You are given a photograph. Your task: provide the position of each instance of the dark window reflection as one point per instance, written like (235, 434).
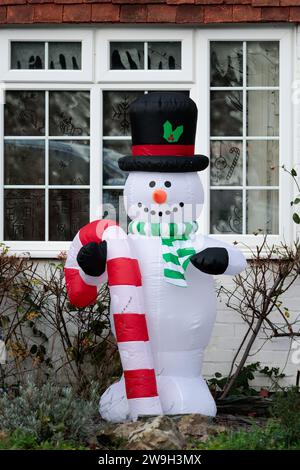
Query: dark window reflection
(226, 63)
(24, 113)
(116, 111)
(68, 212)
(226, 113)
(112, 151)
(24, 162)
(69, 162)
(24, 214)
(226, 213)
(69, 113)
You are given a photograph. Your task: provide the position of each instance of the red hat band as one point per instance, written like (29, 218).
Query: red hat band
(163, 150)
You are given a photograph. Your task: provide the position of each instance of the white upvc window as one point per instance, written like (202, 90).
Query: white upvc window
(61, 137)
(45, 54)
(143, 54)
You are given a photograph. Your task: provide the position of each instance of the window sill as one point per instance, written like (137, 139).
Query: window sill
(52, 250)
(48, 250)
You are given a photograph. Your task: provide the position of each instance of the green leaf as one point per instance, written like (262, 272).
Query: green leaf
(293, 172)
(297, 200)
(167, 129)
(177, 133)
(296, 218)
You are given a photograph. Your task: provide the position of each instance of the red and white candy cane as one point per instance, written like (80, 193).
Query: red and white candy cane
(127, 309)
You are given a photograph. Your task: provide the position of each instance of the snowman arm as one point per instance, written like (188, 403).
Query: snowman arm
(83, 285)
(91, 258)
(217, 257)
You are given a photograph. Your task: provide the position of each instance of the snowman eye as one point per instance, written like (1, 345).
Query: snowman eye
(167, 184)
(152, 184)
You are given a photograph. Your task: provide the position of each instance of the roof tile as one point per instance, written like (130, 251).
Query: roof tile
(189, 14)
(133, 13)
(148, 11)
(161, 14)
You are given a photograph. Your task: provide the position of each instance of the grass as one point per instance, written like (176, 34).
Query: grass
(25, 441)
(271, 437)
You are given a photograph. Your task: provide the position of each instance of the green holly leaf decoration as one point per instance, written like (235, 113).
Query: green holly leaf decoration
(177, 133)
(172, 135)
(167, 129)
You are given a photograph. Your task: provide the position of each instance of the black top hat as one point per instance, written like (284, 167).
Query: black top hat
(163, 126)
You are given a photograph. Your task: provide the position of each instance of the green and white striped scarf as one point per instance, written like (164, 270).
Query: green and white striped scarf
(176, 246)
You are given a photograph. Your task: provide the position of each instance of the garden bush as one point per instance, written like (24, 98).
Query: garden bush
(45, 335)
(49, 414)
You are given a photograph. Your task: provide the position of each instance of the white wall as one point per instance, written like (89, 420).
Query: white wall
(228, 333)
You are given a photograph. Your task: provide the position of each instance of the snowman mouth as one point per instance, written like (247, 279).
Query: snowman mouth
(168, 211)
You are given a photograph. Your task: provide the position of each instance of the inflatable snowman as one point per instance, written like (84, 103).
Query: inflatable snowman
(160, 275)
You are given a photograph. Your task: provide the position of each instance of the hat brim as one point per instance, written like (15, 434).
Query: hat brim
(164, 164)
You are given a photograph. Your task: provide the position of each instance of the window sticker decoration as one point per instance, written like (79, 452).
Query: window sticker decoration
(32, 55)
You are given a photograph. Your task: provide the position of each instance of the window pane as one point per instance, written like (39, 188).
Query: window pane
(24, 162)
(262, 113)
(69, 162)
(164, 55)
(226, 61)
(112, 151)
(113, 206)
(27, 55)
(262, 211)
(226, 164)
(262, 163)
(226, 212)
(69, 113)
(24, 214)
(262, 63)
(65, 55)
(226, 116)
(116, 111)
(68, 212)
(126, 55)
(25, 113)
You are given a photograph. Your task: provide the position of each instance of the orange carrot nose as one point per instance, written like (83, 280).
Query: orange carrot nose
(159, 196)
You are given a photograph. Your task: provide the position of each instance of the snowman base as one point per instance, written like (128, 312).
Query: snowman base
(178, 396)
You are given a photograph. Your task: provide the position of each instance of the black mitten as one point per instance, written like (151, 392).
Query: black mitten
(92, 258)
(211, 260)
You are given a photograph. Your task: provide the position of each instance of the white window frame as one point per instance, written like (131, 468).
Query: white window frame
(85, 36)
(50, 249)
(255, 33)
(105, 36)
(199, 88)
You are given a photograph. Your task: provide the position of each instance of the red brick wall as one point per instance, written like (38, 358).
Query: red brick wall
(148, 11)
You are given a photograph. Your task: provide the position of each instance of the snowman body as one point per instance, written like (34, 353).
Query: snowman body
(180, 319)
(160, 275)
(179, 328)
